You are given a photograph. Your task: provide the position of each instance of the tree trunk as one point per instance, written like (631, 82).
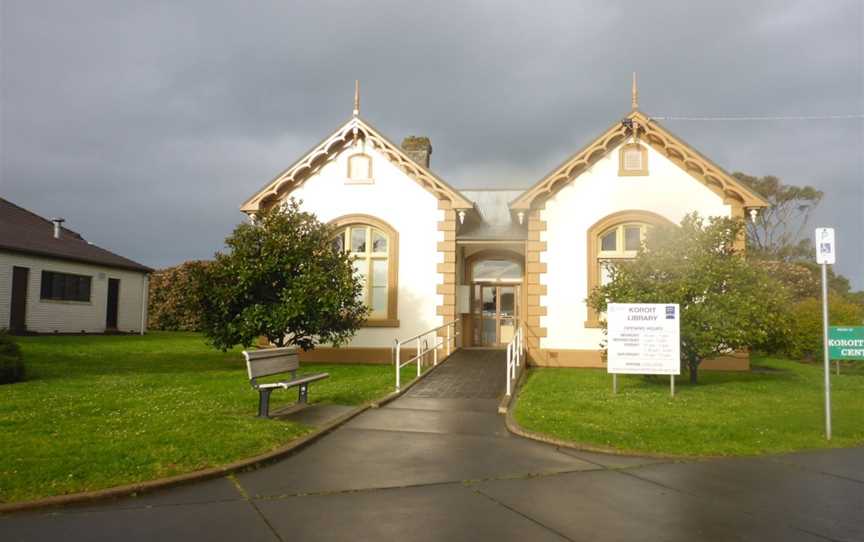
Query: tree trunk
(693, 369)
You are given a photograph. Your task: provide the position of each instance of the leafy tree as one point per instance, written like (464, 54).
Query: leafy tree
(779, 230)
(837, 283)
(780, 237)
(173, 304)
(727, 302)
(856, 297)
(800, 278)
(284, 279)
(805, 339)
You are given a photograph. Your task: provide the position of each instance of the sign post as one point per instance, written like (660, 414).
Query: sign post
(826, 254)
(644, 338)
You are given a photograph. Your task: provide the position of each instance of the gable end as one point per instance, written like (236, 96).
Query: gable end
(328, 149)
(650, 132)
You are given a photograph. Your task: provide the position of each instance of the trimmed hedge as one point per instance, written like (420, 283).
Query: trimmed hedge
(172, 304)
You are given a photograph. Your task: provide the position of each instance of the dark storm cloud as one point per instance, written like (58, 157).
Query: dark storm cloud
(146, 124)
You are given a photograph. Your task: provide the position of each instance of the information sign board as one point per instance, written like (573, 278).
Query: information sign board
(644, 338)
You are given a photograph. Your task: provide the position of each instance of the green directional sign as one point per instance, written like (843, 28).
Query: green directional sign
(846, 343)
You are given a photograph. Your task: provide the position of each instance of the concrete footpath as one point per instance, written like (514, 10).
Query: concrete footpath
(438, 464)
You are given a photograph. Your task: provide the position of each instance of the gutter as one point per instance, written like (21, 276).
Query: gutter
(90, 261)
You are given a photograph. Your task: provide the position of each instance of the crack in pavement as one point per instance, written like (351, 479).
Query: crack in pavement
(240, 489)
(467, 482)
(480, 492)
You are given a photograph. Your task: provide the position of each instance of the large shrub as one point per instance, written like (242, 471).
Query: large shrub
(173, 305)
(805, 341)
(281, 278)
(11, 361)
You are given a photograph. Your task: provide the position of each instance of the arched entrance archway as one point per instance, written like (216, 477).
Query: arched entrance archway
(495, 278)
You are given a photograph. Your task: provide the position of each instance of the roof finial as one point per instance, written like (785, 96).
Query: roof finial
(634, 101)
(356, 98)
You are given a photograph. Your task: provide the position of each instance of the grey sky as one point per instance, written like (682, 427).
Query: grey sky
(146, 124)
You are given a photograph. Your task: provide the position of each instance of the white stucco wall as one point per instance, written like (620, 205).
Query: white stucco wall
(596, 193)
(412, 211)
(48, 316)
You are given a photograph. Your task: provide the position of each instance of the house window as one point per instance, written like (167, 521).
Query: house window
(611, 240)
(65, 286)
(373, 244)
(633, 160)
(360, 168)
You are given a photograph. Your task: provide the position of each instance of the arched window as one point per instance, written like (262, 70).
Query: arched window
(615, 238)
(619, 243)
(360, 168)
(496, 270)
(374, 246)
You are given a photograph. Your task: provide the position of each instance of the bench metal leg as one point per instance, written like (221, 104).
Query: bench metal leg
(303, 394)
(264, 402)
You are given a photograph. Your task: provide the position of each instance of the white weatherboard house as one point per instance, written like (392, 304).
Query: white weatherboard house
(495, 259)
(53, 280)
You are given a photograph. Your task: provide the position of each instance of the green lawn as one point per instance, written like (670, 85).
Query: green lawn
(775, 408)
(101, 411)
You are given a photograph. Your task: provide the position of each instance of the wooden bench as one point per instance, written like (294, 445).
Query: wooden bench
(274, 361)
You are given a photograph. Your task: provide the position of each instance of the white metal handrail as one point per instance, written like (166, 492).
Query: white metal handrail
(422, 342)
(515, 358)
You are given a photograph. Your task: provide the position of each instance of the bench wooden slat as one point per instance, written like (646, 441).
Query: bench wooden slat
(264, 353)
(271, 361)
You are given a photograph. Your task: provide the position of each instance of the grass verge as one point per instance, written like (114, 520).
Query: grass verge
(101, 411)
(775, 408)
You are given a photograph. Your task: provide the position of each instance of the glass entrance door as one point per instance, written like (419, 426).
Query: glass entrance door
(495, 314)
(506, 313)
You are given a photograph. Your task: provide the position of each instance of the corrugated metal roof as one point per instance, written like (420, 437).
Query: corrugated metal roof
(496, 222)
(23, 231)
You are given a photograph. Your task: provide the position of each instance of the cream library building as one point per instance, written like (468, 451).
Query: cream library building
(495, 259)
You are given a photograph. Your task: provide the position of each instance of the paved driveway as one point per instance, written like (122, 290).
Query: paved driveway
(438, 464)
